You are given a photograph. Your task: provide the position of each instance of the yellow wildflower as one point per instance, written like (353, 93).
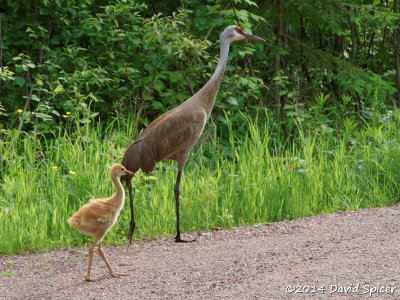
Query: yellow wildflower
(68, 113)
(20, 111)
(54, 167)
(72, 172)
(65, 116)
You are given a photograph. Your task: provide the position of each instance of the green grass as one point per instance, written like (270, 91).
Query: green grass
(248, 181)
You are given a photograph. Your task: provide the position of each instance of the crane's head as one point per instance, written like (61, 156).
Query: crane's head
(235, 33)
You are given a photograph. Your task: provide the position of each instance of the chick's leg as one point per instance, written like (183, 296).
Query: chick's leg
(91, 252)
(113, 274)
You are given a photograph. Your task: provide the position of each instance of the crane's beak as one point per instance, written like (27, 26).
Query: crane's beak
(253, 37)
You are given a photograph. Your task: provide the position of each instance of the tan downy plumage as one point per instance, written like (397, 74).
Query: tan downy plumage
(98, 216)
(173, 135)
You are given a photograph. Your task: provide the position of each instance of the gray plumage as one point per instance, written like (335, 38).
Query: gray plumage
(173, 135)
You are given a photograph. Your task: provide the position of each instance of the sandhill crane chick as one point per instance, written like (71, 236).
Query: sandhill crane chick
(98, 216)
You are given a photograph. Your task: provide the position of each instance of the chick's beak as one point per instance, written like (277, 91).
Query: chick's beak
(128, 173)
(253, 37)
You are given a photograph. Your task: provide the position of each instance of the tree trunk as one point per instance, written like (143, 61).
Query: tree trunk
(1, 53)
(1, 66)
(303, 36)
(353, 39)
(370, 50)
(279, 101)
(396, 46)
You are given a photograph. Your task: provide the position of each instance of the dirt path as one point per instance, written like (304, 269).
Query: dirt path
(359, 251)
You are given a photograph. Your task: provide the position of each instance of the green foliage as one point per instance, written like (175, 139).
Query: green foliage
(6, 74)
(302, 125)
(137, 58)
(250, 180)
(106, 58)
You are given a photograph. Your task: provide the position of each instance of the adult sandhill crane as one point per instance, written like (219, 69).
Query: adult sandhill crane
(173, 135)
(98, 216)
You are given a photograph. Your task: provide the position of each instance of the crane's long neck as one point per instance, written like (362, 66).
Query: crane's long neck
(119, 196)
(207, 94)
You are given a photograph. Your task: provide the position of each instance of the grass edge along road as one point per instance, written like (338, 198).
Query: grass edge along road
(246, 181)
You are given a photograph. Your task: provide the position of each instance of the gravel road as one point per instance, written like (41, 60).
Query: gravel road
(351, 255)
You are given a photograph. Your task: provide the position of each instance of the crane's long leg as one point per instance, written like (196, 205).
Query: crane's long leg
(177, 193)
(133, 223)
(113, 274)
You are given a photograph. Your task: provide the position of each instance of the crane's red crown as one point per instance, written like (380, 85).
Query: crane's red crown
(238, 29)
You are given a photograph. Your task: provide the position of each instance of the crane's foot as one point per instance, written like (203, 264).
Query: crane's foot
(89, 279)
(179, 240)
(118, 274)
